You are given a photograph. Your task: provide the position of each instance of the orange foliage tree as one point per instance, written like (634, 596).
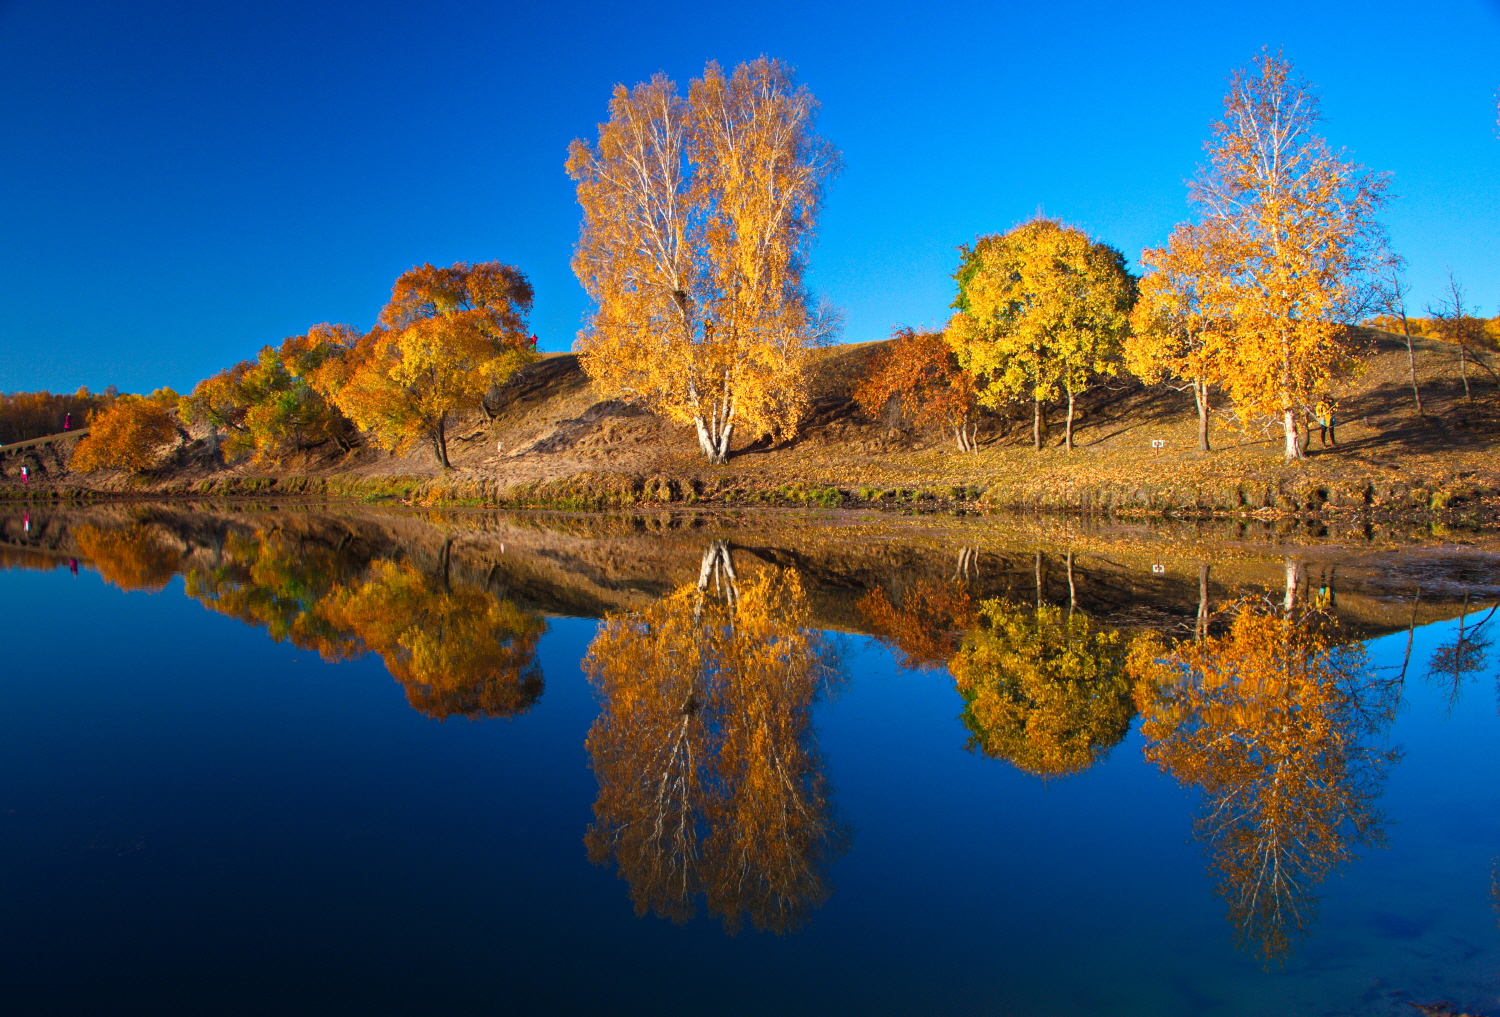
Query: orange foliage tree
(447, 337)
(1273, 721)
(1178, 324)
(697, 218)
(920, 373)
(709, 780)
(1043, 689)
(1295, 241)
(130, 435)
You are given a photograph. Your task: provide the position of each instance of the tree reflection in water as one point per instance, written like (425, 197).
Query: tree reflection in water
(1273, 721)
(1043, 688)
(710, 781)
(131, 557)
(458, 652)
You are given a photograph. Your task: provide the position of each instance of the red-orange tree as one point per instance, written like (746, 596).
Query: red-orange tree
(919, 372)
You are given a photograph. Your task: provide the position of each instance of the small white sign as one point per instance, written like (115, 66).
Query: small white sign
(1158, 568)
(1158, 443)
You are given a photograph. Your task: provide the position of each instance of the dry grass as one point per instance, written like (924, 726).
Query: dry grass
(557, 443)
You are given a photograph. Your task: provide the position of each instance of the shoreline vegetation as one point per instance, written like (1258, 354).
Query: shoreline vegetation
(1229, 379)
(554, 444)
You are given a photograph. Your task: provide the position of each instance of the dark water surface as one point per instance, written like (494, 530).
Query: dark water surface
(258, 761)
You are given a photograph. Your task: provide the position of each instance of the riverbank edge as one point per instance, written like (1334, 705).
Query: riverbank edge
(1456, 500)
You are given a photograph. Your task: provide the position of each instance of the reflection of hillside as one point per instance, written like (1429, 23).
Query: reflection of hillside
(1273, 721)
(710, 783)
(591, 565)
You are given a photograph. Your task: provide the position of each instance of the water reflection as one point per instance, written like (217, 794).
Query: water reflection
(1042, 688)
(1274, 721)
(457, 651)
(712, 791)
(710, 782)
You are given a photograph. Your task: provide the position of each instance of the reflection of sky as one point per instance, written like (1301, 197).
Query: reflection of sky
(190, 811)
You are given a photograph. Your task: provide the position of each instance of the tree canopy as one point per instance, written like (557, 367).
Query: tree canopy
(447, 336)
(698, 215)
(1042, 311)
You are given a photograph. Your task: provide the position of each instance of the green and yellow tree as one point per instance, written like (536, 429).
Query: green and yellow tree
(1042, 311)
(698, 215)
(1043, 688)
(266, 406)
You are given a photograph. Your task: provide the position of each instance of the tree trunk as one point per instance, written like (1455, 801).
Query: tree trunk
(1039, 579)
(1200, 396)
(1411, 634)
(1411, 366)
(1036, 424)
(1068, 433)
(1463, 369)
(1072, 590)
(1293, 580)
(1202, 629)
(1292, 434)
(440, 441)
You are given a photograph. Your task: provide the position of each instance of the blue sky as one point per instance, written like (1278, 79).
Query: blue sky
(184, 183)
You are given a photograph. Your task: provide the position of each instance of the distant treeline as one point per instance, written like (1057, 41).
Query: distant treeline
(27, 415)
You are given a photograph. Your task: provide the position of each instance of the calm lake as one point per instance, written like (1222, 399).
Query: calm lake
(259, 759)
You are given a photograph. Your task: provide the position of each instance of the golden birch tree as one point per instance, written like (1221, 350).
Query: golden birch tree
(1177, 326)
(1294, 230)
(1042, 311)
(698, 215)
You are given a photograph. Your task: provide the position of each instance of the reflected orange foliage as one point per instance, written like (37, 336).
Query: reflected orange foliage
(1272, 721)
(458, 653)
(133, 557)
(928, 626)
(709, 780)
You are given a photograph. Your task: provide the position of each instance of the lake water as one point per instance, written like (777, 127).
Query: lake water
(291, 760)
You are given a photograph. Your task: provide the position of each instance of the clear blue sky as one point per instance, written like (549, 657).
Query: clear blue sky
(184, 183)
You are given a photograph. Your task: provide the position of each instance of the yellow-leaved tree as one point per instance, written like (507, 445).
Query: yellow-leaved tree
(710, 781)
(1179, 324)
(445, 339)
(1296, 242)
(698, 215)
(1042, 311)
